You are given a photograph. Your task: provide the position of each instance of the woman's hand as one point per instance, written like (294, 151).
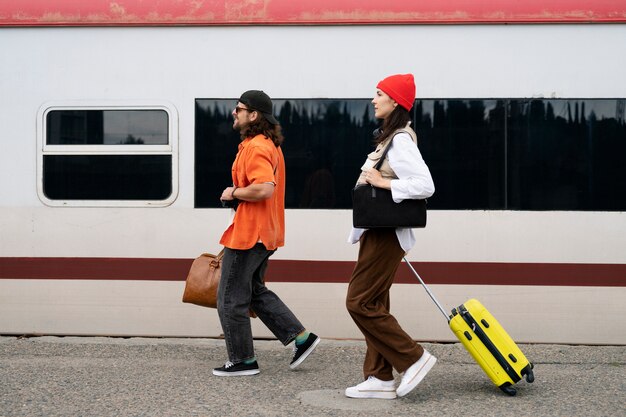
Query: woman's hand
(373, 177)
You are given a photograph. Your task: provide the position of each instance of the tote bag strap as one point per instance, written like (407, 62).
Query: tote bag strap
(384, 155)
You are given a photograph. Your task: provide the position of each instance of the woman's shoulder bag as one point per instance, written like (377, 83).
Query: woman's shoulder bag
(373, 207)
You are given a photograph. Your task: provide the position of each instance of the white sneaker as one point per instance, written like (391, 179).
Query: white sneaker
(415, 374)
(373, 387)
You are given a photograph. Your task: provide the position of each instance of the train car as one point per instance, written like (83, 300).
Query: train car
(116, 141)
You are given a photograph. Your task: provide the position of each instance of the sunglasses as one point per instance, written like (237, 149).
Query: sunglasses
(238, 109)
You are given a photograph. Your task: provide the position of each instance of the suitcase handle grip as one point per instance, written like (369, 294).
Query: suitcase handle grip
(430, 294)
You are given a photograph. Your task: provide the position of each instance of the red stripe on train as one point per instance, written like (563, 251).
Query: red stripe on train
(462, 273)
(290, 12)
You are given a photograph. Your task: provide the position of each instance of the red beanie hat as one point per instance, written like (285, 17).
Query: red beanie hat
(401, 88)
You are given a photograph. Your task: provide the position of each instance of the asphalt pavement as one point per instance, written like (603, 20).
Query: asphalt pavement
(98, 376)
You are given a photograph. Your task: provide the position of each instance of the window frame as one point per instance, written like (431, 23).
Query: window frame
(171, 149)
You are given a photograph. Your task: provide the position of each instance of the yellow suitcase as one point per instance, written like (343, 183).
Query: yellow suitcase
(490, 345)
(487, 341)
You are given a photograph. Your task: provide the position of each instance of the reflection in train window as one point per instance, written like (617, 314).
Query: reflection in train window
(106, 127)
(325, 141)
(107, 177)
(109, 156)
(566, 155)
(462, 144)
(484, 154)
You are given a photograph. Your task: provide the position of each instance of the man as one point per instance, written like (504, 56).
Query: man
(257, 230)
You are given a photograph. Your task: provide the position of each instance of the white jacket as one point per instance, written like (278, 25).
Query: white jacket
(414, 181)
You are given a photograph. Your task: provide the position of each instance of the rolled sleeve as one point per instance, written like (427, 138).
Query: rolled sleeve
(414, 179)
(260, 168)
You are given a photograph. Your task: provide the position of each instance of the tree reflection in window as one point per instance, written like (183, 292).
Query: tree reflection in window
(484, 154)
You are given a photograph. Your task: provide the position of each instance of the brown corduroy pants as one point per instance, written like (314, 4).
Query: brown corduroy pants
(388, 346)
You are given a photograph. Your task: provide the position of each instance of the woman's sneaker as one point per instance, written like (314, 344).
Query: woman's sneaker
(237, 369)
(373, 387)
(416, 373)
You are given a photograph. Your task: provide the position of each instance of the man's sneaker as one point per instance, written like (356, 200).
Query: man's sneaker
(373, 387)
(301, 352)
(237, 369)
(415, 374)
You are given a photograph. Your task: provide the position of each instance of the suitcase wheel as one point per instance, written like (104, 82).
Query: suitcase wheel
(528, 373)
(508, 389)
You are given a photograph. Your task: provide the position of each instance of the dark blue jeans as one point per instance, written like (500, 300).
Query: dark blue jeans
(242, 287)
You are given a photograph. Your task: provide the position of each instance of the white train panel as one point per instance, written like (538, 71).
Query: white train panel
(451, 236)
(174, 66)
(131, 308)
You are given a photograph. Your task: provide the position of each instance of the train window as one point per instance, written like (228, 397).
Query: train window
(106, 127)
(484, 154)
(462, 143)
(107, 156)
(325, 142)
(566, 155)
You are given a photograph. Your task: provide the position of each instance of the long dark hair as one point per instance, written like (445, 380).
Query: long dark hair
(397, 119)
(262, 127)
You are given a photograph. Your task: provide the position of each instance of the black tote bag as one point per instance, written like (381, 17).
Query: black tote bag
(373, 207)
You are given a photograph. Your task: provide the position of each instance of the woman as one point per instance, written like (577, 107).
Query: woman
(381, 250)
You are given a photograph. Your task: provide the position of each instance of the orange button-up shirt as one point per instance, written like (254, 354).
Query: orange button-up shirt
(258, 161)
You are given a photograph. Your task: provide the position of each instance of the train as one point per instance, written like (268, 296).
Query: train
(116, 141)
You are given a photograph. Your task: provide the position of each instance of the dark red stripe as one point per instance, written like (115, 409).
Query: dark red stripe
(464, 273)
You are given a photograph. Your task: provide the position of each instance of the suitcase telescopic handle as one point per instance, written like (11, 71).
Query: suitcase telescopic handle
(430, 294)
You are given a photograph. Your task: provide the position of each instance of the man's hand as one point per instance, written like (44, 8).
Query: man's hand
(253, 192)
